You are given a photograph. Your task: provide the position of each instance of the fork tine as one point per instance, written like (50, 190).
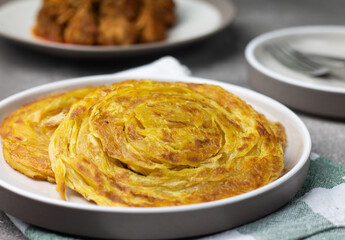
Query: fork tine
(286, 59)
(300, 56)
(293, 59)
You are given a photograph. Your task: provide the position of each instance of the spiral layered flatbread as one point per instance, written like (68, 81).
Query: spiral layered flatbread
(26, 132)
(149, 144)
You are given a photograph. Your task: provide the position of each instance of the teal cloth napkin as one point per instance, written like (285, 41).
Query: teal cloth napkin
(316, 212)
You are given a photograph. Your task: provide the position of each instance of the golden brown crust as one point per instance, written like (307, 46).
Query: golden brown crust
(26, 132)
(149, 144)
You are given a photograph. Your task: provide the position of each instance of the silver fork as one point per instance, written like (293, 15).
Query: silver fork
(296, 60)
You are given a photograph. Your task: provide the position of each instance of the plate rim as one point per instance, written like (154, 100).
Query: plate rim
(219, 5)
(85, 81)
(290, 31)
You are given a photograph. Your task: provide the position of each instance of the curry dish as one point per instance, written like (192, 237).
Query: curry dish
(105, 22)
(150, 144)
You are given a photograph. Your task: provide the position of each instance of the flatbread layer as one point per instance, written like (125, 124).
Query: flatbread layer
(26, 132)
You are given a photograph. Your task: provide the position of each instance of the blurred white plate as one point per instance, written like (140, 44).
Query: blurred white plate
(324, 97)
(38, 203)
(197, 19)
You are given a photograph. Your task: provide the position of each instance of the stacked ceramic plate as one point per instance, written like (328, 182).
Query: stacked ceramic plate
(317, 95)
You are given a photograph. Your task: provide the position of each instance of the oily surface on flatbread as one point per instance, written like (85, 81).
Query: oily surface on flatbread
(26, 132)
(149, 144)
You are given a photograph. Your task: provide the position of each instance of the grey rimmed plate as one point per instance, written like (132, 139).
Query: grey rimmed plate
(320, 96)
(38, 203)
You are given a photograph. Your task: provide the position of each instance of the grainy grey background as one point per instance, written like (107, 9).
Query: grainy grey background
(219, 57)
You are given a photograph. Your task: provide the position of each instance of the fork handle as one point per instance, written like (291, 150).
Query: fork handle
(325, 57)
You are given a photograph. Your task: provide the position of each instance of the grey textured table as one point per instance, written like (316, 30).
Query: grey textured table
(219, 57)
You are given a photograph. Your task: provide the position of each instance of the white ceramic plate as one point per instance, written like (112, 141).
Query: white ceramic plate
(197, 19)
(313, 95)
(38, 203)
